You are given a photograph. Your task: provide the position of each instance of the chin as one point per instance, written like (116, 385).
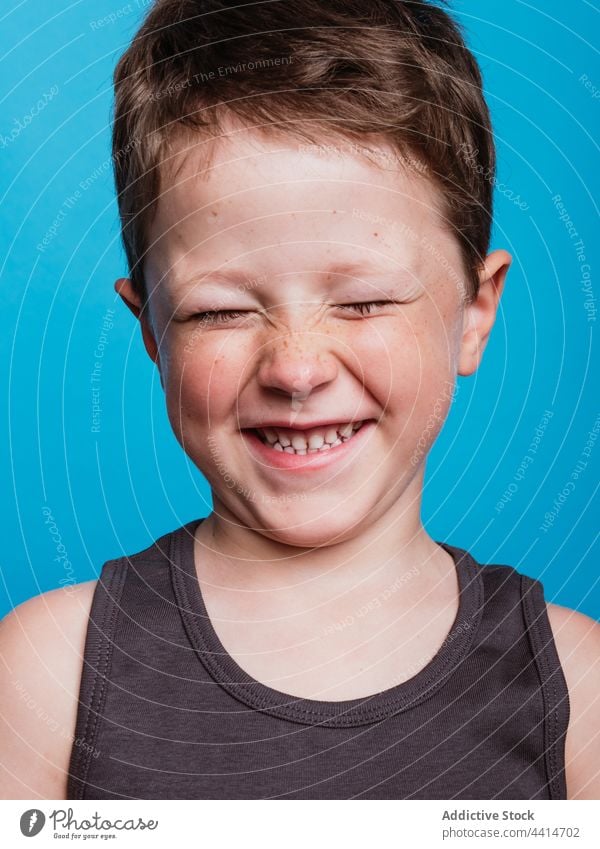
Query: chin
(306, 528)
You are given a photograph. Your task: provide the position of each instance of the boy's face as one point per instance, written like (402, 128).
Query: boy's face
(290, 236)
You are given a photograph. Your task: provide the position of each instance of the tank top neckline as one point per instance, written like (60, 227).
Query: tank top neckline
(358, 711)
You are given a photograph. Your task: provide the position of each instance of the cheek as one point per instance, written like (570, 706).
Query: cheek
(433, 387)
(409, 356)
(201, 383)
(410, 369)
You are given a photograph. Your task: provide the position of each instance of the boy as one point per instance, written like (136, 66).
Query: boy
(307, 240)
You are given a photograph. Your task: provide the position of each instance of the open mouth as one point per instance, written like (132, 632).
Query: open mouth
(317, 440)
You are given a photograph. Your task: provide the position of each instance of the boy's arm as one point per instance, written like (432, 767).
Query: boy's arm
(41, 657)
(577, 639)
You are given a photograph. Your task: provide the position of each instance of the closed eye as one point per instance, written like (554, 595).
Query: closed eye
(365, 307)
(223, 316)
(217, 316)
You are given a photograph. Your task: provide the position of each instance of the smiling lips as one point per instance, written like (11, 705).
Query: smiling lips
(312, 441)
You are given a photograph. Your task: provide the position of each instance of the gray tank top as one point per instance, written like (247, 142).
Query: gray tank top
(166, 713)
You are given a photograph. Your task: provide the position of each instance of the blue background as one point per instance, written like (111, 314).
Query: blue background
(115, 491)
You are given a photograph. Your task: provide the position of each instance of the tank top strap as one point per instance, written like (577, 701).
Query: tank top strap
(516, 631)
(96, 663)
(552, 682)
(104, 615)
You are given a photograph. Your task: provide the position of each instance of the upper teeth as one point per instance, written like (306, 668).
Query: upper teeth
(314, 438)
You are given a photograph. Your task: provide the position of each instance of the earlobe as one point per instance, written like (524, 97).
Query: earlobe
(124, 288)
(480, 314)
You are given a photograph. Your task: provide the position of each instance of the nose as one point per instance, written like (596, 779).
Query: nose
(296, 366)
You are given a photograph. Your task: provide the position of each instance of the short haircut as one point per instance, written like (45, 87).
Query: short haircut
(393, 72)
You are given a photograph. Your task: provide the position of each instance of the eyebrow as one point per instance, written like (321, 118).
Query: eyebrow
(233, 275)
(237, 276)
(355, 269)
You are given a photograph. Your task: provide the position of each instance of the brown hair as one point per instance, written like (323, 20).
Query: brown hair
(397, 71)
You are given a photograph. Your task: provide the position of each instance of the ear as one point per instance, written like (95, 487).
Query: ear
(124, 287)
(480, 314)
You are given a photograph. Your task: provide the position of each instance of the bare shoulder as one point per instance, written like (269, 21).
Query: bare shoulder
(41, 657)
(577, 640)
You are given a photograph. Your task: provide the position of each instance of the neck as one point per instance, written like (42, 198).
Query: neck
(391, 545)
